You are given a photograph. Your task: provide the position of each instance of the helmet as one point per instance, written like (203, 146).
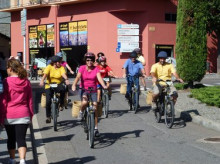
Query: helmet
(100, 54)
(48, 61)
(90, 55)
(60, 54)
(162, 54)
(55, 59)
(133, 54)
(138, 50)
(102, 58)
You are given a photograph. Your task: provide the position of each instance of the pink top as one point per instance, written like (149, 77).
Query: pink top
(88, 78)
(17, 100)
(63, 63)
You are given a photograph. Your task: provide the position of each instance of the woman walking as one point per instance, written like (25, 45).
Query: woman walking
(17, 111)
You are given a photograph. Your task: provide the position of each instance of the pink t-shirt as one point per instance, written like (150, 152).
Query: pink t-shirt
(88, 78)
(63, 63)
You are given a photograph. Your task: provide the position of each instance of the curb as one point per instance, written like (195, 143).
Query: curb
(196, 118)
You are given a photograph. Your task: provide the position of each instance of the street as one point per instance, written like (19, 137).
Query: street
(125, 137)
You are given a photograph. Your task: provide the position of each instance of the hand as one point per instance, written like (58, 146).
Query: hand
(41, 83)
(181, 80)
(154, 80)
(67, 82)
(72, 72)
(73, 87)
(105, 87)
(124, 76)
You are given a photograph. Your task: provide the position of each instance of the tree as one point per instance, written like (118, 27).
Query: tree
(191, 48)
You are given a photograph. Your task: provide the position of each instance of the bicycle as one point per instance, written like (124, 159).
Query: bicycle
(32, 72)
(134, 95)
(105, 99)
(165, 104)
(89, 118)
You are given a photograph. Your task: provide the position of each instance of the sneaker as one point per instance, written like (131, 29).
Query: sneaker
(48, 120)
(11, 161)
(61, 108)
(80, 116)
(22, 161)
(96, 133)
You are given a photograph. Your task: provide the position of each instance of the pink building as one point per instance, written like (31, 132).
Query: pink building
(78, 26)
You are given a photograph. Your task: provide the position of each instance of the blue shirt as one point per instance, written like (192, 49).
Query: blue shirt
(132, 68)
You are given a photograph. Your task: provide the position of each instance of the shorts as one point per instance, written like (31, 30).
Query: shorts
(158, 89)
(99, 86)
(93, 95)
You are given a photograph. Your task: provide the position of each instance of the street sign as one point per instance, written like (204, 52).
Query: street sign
(127, 45)
(128, 38)
(128, 26)
(128, 31)
(23, 21)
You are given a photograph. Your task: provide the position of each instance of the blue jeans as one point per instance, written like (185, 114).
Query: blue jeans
(130, 81)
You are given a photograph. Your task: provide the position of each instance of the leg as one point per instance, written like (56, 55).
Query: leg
(138, 88)
(21, 130)
(61, 89)
(143, 82)
(129, 84)
(11, 142)
(98, 95)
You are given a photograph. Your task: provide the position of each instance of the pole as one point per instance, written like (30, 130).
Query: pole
(24, 51)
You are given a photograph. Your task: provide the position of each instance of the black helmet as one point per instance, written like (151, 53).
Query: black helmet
(138, 50)
(162, 54)
(55, 59)
(133, 54)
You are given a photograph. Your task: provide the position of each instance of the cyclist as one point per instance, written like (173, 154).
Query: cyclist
(162, 70)
(142, 60)
(105, 70)
(54, 73)
(99, 55)
(131, 69)
(89, 75)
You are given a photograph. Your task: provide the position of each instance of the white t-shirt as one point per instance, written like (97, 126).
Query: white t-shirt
(141, 59)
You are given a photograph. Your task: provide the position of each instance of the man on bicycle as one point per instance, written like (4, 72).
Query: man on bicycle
(164, 71)
(54, 73)
(131, 70)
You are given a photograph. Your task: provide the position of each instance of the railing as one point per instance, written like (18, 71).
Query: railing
(11, 4)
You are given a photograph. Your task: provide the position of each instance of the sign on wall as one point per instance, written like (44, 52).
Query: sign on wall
(128, 37)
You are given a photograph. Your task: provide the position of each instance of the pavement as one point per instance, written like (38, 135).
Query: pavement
(36, 152)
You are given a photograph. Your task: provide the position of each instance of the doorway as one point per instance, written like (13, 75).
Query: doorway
(167, 48)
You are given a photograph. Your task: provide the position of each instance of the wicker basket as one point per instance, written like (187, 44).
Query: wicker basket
(40, 72)
(123, 89)
(76, 108)
(149, 98)
(43, 100)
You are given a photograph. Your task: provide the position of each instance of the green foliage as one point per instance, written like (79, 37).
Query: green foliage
(208, 95)
(191, 47)
(181, 86)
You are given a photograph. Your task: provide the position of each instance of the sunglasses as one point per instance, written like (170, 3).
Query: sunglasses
(89, 60)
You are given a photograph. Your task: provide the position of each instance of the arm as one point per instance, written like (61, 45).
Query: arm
(154, 78)
(101, 80)
(30, 101)
(68, 67)
(76, 81)
(143, 72)
(42, 80)
(177, 77)
(66, 78)
(112, 74)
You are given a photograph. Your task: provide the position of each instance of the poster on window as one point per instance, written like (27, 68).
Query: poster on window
(50, 35)
(64, 34)
(82, 33)
(33, 37)
(73, 33)
(41, 34)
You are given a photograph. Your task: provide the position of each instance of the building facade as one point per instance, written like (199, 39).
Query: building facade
(78, 26)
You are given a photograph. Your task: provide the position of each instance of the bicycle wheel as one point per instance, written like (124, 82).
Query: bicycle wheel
(105, 107)
(91, 127)
(135, 102)
(169, 114)
(54, 115)
(158, 112)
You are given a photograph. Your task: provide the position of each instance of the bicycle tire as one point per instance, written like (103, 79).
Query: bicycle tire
(105, 107)
(54, 115)
(157, 112)
(169, 114)
(135, 102)
(91, 128)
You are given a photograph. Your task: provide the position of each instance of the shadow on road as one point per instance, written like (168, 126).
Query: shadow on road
(76, 160)
(108, 139)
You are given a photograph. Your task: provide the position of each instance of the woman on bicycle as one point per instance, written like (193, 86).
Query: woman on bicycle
(89, 75)
(54, 73)
(105, 71)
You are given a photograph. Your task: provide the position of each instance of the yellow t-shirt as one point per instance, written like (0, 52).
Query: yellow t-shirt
(54, 75)
(163, 72)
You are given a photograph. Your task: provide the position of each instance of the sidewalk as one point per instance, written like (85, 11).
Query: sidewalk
(4, 156)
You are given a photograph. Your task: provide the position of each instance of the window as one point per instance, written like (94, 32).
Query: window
(170, 17)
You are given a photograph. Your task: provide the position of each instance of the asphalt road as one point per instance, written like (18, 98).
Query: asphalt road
(125, 138)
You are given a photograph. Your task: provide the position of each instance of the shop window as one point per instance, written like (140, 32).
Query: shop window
(170, 17)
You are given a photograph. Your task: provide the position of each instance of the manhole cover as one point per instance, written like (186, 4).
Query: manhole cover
(212, 139)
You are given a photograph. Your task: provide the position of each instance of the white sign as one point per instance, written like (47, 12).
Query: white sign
(129, 45)
(128, 31)
(125, 49)
(128, 38)
(23, 21)
(128, 26)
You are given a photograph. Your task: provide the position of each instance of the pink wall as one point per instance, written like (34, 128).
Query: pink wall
(103, 18)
